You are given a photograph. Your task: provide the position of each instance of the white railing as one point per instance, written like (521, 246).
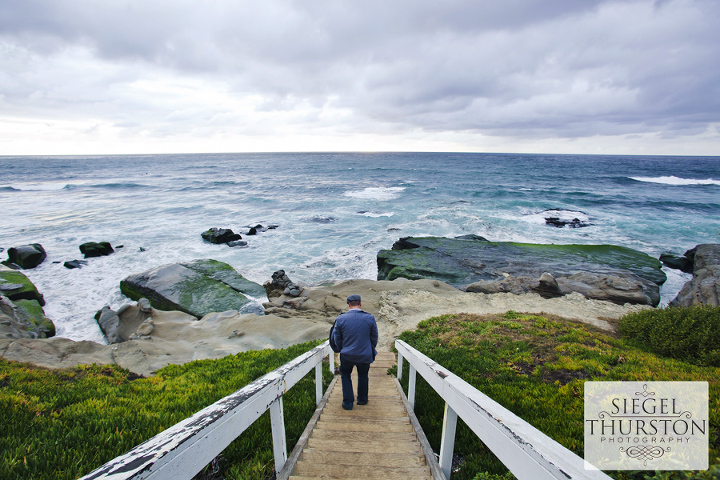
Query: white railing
(526, 451)
(184, 449)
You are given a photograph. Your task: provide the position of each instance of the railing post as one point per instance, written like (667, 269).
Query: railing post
(447, 444)
(277, 421)
(400, 366)
(332, 361)
(411, 387)
(318, 383)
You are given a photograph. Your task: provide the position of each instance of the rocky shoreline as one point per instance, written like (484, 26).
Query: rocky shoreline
(203, 309)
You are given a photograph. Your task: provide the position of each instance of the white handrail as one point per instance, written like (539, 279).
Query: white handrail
(184, 449)
(526, 451)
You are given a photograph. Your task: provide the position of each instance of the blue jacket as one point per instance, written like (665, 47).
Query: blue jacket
(356, 335)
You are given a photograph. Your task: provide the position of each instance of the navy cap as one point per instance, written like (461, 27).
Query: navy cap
(353, 298)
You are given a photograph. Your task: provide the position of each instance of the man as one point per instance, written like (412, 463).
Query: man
(356, 336)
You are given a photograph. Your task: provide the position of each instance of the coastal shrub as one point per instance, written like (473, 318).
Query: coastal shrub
(536, 367)
(691, 334)
(62, 424)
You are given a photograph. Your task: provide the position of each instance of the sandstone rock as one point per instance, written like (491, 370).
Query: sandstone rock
(109, 323)
(96, 249)
(146, 328)
(548, 287)
(397, 305)
(27, 256)
(220, 235)
(704, 288)
(197, 288)
(144, 305)
(281, 285)
(494, 267)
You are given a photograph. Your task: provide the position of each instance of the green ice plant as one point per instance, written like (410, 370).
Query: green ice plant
(62, 424)
(536, 366)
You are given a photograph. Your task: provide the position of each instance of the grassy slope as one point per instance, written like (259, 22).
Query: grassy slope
(62, 424)
(536, 366)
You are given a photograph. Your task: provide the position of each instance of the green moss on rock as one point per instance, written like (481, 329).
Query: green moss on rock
(28, 291)
(197, 288)
(34, 314)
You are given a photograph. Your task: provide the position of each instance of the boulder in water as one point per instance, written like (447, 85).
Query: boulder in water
(220, 235)
(96, 249)
(27, 256)
(197, 288)
(604, 272)
(72, 264)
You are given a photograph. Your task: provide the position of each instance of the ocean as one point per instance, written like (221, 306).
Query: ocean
(333, 212)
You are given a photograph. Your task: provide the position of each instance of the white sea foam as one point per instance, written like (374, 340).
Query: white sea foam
(376, 214)
(673, 180)
(561, 215)
(376, 193)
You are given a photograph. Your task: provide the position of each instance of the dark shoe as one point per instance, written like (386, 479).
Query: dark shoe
(362, 403)
(347, 407)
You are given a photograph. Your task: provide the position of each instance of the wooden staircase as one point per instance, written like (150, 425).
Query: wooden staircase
(373, 441)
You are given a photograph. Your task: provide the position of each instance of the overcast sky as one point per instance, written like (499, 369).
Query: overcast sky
(554, 76)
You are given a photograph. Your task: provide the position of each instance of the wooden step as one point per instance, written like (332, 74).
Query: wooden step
(356, 458)
(365, 436)
(374, 447)
(369, 442)
(329, 418)
(335, 470)
(365, 426)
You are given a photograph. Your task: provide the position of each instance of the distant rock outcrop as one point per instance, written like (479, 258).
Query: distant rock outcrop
(197, 288)
(704, 288)
(603, 272)
(220, 235)
(96, 249)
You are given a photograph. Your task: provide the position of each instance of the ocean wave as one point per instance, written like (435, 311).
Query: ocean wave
(673, 180)
(36, 187)
(375, 193)
(118, 185)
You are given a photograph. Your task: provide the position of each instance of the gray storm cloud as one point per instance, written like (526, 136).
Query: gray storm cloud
(560, 69)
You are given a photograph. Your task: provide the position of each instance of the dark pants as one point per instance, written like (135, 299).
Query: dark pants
(346, 367)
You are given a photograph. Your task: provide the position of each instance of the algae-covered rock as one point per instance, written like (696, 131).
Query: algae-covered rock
(220, 235)
(27, 256)
(605, 272)
(38, 324)
(96, 249)
(21, 305)
(197, 288)
(16, 286)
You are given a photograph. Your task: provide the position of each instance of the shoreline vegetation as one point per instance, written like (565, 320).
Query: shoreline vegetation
(165, 365)
(63, 423)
